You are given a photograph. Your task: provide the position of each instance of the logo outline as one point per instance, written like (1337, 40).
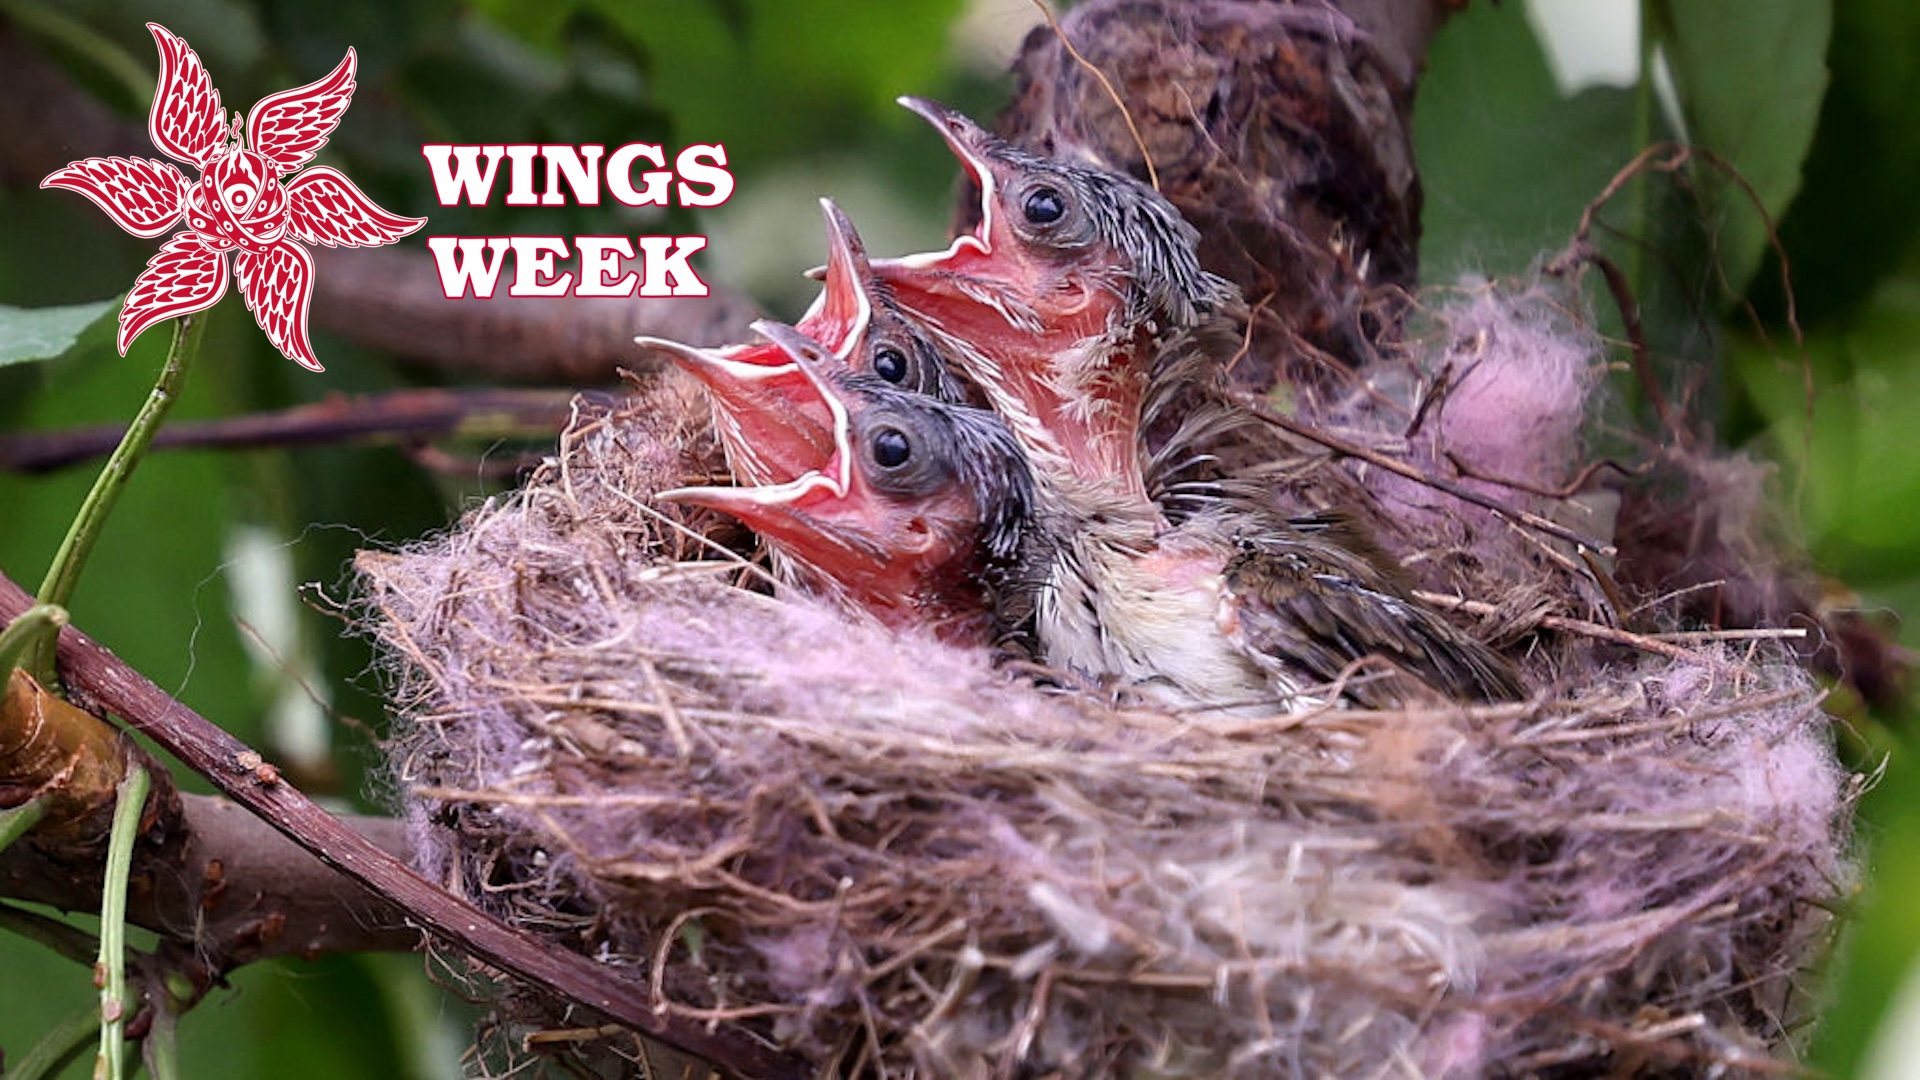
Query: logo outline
(257, 198)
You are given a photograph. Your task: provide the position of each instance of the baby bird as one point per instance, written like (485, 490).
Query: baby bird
(1240, 608)
(1059, 300)
(1078, 304)
(768, 413)
(917, 514)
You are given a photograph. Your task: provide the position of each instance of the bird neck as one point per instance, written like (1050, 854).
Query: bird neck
(1077, 414)
(1072, 391)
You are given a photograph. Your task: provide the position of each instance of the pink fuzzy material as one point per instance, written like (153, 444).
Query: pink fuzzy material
(848, 838)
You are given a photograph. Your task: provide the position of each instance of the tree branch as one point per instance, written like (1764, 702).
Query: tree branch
(220, 881)
(90, 669)
(219, 887)
(406, 416)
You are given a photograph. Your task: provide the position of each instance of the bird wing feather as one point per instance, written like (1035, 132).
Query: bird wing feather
(1303, 605)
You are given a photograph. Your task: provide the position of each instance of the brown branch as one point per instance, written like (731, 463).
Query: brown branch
(391, 299)
(404, 416)
(380, 298)
(1669, 158)
(221, 883)
(1565, 491)
(68, 762)
(1581, 251)
(1653, 643)
(221, 888)
(240, 772)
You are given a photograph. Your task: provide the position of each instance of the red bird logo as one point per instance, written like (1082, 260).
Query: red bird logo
(240, 204)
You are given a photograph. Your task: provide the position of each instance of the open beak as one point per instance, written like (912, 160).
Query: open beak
(823, 466)
(769, 412)
(968, 142)
(820, 516)
(845, 306)
(980, 285)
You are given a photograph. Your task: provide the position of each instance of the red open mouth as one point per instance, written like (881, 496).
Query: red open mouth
(816, 465)
(776, 417)
(965, 139)
(844, 308)
(825, 515)
(767, 411)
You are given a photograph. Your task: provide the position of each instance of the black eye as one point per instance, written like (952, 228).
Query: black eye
(1044, 206)
(890, 363)
(891, 449)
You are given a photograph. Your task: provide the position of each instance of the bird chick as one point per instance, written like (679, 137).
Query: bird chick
(1058, 300)
(1062, 246)
(880, 336)
(767, 412)
(917, 514)
(1237, 607)
(1082, 311)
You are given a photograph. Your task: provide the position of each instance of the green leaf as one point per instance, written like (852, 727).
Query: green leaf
(308, 1020)
(1506, 162)
(46, 332)
(1856, 217)
(161, 605)
(752, 76)
(1854, 466)
(1509, 166)
(1750, 76)
(1881, 949)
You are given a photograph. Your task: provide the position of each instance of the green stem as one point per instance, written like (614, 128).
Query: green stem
(60, 1046)
(130, 801)
(163, 1057)
(161, 1047)
(38, 623)
(64, 574)
(15, 822)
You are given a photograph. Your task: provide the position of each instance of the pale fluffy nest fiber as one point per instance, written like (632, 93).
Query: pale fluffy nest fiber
(894, 858)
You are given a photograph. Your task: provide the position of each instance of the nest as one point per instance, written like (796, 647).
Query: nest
(894, 857)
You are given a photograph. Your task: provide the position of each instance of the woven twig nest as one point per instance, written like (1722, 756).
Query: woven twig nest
(890, 856)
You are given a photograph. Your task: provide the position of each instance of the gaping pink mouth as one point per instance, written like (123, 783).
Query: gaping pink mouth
(963, 138)
(803, 405)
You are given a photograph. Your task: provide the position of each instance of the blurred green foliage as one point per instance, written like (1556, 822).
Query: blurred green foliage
(1812, 105)
(1811, 101)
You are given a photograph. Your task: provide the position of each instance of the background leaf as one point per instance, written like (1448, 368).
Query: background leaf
(1882, 953)
(802, 98)
(1750, 75)
(43, 333)
(1857, 216)
(1856, 481)
(1506, 162)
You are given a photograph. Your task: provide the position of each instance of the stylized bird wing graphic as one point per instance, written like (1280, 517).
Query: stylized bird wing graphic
(144, 197)
(187, 122)
(326, 208)
(289, 127)
(183, 277)
(277, 286)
